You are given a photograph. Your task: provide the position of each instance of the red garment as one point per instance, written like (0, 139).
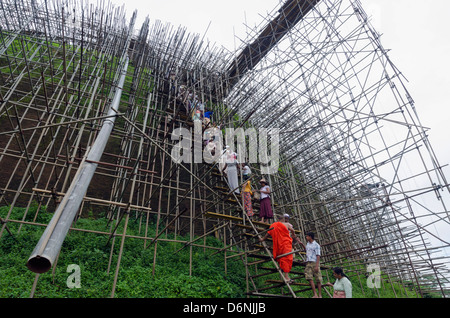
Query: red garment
(282, 244)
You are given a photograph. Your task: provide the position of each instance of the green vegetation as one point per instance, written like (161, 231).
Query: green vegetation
(91, 252)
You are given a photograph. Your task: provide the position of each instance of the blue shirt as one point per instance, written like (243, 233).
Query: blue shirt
(312, 250)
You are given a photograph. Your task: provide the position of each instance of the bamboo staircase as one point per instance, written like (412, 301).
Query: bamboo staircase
(261, 266)
(243, 235)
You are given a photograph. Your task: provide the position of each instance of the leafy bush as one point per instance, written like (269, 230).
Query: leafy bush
(91, 252)
(137, 278)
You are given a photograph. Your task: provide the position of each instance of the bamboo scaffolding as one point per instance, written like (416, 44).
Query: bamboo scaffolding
(315, 70)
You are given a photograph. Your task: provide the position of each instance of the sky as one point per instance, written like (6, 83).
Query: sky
(418, 36)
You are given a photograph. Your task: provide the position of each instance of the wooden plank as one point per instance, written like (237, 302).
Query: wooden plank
(223, 216)
(274, 281)
(236, 219)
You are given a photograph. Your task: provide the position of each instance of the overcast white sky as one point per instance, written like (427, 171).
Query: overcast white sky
(416, 32)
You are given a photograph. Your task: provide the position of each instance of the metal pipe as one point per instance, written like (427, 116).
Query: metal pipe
(49, 245)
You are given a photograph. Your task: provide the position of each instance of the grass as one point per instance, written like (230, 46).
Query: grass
(91, 253)
(136, 279)
(170, 277)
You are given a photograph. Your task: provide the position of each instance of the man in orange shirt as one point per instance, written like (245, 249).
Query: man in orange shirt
(282, 233)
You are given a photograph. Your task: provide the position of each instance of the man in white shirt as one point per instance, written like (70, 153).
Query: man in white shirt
(312, 269)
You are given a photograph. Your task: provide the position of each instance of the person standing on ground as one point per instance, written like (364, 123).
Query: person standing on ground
(246, 171)
(282, 233)
(342, 286)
